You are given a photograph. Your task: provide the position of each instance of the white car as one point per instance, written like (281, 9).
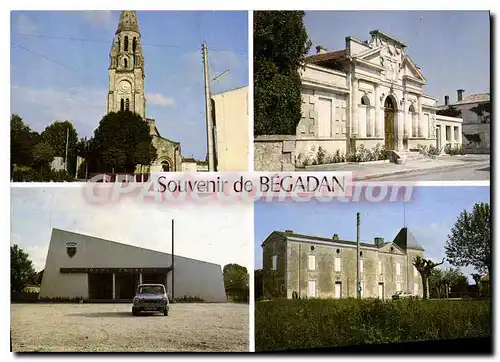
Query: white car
(403, 295)
(150, 298)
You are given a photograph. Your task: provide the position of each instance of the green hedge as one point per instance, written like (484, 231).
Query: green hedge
(187, 299)
(32, 175)
(314, 323)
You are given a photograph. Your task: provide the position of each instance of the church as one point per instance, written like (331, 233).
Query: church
(369, 93)
(126, 90)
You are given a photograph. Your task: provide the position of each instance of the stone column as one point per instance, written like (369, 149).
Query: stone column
(362, 125)
(419, 117)
(460, 134)
(373, 119)
(354, 106)
(377, 122)
(114, 286)
(399, 133)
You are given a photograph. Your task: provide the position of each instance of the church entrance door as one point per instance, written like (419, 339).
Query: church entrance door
(389, 114)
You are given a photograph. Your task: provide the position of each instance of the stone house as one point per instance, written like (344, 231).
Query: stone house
(318, 267)
(475, 128)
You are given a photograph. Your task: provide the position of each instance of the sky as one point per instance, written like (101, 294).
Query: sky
(60, 59)
(217, 233)
(430, 216)
(451, 47)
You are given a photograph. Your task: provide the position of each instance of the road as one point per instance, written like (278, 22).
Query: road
(465, 173)
(200, 327)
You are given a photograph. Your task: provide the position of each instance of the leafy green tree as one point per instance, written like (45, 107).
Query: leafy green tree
(125, 134)
(469, 243)
(258, 280)
(453, 277)
(22, 142)
(280, 46)
(56, 135)
(43, 154)
(424, 267)
(236, 281)
(22, 272)
(483, 111)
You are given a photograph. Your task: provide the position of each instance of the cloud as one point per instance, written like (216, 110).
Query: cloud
(219, 233)
(40, 107)
(24, 25)
(100, 19)
(159, 100)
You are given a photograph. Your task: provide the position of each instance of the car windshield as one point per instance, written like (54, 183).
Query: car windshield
(150, 289)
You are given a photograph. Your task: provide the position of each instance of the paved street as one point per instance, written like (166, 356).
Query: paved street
(480, 173)
(444, 168)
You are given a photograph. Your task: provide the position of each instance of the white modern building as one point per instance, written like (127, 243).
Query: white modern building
(91, 268)
(370, 93)
(230, 113)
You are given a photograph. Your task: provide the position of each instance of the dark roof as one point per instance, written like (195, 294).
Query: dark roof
(319, 238)
(328, 57)
(406, 240)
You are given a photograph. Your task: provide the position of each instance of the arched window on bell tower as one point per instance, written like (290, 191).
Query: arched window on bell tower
(125, 45)
(119, 45)
(134, 44)
(125, 63)
(122, 105)
(127, 105)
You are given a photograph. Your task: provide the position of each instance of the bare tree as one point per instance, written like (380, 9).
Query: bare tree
(424, 267)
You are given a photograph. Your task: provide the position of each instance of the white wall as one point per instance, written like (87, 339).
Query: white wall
(192, 277)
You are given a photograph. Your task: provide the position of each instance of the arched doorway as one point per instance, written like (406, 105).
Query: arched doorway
(165, 166)
(389, 121)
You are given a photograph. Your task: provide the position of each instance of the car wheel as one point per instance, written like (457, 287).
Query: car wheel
(134, 311)
(165, 312)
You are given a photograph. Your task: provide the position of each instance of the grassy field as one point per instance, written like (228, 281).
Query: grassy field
(313, 323)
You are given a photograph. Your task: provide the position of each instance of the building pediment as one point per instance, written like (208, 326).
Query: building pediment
(391, 248)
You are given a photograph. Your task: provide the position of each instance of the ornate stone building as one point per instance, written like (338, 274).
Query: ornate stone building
(126, 90)
(369, 93)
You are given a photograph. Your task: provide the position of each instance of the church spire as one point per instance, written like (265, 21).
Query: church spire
(128, 22)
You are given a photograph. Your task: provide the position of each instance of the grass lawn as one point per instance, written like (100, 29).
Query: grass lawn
(315, 323)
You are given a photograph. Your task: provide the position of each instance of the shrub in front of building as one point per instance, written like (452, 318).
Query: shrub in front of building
(318, 323)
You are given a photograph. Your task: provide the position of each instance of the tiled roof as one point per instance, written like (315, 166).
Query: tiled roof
(319, 238)
(326, 57)
(475, 98)
(404, 237)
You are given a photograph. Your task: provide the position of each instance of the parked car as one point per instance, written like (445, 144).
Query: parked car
(404, 295)
(150, 298)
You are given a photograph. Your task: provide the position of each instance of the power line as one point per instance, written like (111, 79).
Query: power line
(43, 56)
(107, 41)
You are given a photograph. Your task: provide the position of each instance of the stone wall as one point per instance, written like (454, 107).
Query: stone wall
(274, 153)
(483, 130)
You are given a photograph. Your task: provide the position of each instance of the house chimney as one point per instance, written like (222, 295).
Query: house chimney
(320, 49)
(460, 94)
(289, 231)
(379, 241)
(446, 100)
(335, 237)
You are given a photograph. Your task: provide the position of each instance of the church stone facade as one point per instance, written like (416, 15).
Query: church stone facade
(126, 90)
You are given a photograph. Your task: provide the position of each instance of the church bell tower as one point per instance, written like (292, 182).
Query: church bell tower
(126, 68)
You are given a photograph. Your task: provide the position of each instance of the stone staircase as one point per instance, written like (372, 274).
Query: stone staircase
(402, 157)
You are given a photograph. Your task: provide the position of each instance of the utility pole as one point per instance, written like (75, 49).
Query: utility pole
(173, 282)
(208, 110)
(66, 158)
(358, 279)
